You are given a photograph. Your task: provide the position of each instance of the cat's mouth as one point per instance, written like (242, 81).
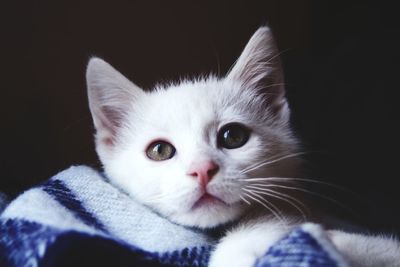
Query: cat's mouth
(207, 200)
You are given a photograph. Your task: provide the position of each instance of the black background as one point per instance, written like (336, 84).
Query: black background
(341, 61)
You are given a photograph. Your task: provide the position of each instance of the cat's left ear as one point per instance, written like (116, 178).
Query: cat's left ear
(111, 97)
(259, 68)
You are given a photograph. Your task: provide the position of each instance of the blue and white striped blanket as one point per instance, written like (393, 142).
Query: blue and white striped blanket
(78, 219)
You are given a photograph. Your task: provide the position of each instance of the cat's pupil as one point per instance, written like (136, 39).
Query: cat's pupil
(233, 135)
(160, 150)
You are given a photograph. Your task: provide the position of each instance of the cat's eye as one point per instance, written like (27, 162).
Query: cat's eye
(160, 150)
(233, 135)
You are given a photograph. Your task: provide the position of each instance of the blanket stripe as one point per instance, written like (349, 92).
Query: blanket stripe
(29, 244)
(62, 194)
(301, 248)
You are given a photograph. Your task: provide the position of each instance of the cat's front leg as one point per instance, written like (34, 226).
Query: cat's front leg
(243, 245)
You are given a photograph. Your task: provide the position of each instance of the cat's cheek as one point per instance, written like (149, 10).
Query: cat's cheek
(251, 152)
(122, 170)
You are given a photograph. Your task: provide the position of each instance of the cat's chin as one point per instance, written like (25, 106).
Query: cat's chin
(209, 213)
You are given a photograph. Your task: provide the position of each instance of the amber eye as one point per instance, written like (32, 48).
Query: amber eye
(160, 150)
(233, 135)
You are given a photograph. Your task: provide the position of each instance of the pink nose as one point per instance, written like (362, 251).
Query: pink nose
(204, 171)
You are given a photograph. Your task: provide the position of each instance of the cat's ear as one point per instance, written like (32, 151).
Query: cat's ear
(111, 96)
(259, 68)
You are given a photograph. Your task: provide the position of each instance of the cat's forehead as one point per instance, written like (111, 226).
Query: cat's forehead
(193, 103)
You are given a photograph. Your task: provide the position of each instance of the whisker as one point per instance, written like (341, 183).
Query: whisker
(245, 200)
(269, 162)
(315, 194)
(262, 161)
(297, 179)
(279, 193)
(273, 209)
(284, 197)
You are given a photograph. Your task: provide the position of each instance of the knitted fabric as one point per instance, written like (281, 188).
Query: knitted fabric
(77, 218)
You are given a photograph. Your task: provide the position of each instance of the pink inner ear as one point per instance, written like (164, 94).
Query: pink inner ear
(112, 118)
(108, 141)
(107, 122)
(276, 108)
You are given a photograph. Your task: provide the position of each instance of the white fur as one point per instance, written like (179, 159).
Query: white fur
(248, 242)
(367, 250)
(189, 115)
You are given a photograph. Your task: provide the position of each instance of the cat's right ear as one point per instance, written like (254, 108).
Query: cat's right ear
(259, 69)
(111, 96)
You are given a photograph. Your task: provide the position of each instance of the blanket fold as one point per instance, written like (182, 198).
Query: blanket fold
(77, 218)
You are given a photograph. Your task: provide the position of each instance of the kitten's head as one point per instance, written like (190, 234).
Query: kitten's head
(186, 150)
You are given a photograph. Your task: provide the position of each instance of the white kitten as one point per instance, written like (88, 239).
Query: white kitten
(198, 152)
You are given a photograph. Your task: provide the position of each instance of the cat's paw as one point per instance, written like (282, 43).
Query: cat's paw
(235, 255)
(242, 247)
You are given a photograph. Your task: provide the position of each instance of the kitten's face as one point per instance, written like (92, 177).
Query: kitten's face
(183, 149)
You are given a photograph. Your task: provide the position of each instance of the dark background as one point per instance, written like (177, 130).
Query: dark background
(341, 62)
